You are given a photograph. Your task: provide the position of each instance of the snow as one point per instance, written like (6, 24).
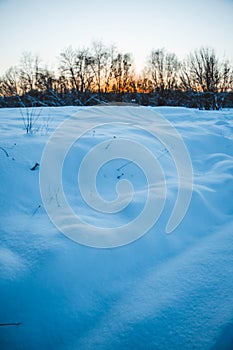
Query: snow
(160, 291)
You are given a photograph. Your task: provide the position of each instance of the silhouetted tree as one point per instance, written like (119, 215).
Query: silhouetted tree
(99, 73)
(203, 71)
(122, 72)
(162, 71)
(29, 70)
(9, 83)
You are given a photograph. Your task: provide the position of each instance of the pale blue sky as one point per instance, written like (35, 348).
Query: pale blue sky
(45, 27)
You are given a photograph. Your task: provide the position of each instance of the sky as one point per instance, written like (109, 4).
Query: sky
(46, 27)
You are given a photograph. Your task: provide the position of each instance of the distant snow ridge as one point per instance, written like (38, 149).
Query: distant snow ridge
(132, 141)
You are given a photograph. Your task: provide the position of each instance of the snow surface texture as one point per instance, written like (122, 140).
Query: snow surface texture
(137, 147)
(159, 292)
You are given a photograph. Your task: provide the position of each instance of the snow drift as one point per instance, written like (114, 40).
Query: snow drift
(159, 292)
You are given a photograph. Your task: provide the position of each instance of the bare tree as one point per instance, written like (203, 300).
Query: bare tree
(162, 70)
(29, 70)
(9, 84)
(226, 81)
(203, 71)
(68, 66)
(108, 69)
(101, 60)
(77, 67)
(122, 72)
(84, 71)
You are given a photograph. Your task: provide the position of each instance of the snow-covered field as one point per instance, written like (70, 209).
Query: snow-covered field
(158, 292)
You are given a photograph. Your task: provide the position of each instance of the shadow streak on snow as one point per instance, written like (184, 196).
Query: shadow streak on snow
(225, 340)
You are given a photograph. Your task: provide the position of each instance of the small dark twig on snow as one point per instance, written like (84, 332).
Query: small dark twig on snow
(37, 208)
(6, 153)
(35, 166)
(10, 324)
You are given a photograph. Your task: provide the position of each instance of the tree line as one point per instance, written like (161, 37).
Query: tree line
(102, 74)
